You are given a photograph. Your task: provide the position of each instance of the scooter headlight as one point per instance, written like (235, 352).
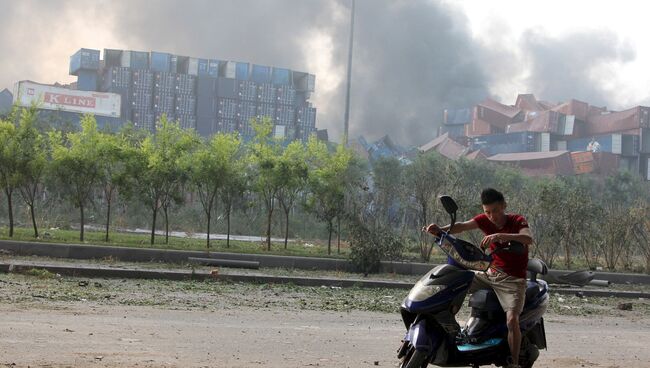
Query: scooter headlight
(423, 291)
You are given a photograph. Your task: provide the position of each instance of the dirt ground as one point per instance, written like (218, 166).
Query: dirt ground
(49, 321)
(88, 336)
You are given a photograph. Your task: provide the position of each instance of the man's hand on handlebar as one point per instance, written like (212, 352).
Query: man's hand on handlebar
(432, 229)
(489, 239)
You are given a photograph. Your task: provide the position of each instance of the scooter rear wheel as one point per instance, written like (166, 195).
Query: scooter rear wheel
(415, 360)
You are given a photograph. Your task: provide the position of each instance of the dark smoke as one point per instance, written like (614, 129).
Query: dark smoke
(412, 58)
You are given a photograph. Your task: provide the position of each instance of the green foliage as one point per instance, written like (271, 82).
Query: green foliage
(226, 185)
(327, 184)
(77, 164)
(368, 247)
(9, 165)
(159, 172)
(213, 167)
(265, 167)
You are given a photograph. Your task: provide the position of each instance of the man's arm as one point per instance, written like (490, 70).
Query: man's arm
(524, 237)
(459, 227)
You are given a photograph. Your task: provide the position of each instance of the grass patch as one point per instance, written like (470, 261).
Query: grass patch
(298, 248)
(40, 273)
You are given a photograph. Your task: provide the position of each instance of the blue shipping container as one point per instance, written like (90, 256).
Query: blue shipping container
(608, 143)
(241, 71)
(226, 87)
(206, 86)
(84, 59)
(281, 76)
(160, 62)
(87, 80)
(213, 68)
(203, 67)
(261, 74)
(205, 126)
(139, 60)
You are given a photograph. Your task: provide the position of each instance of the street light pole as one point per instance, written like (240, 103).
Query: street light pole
(346, 121)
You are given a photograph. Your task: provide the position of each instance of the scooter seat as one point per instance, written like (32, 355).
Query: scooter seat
(532, 289)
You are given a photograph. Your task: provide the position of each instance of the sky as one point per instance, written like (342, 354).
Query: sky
(412, 58)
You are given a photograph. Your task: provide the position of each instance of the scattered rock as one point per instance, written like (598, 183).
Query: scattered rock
(376, 362)
(625, 306)
(580, 294)
(83, 283)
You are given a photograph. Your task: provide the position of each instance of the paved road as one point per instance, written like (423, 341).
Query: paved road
(87, 335)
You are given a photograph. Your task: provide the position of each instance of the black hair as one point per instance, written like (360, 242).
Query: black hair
(491, 196)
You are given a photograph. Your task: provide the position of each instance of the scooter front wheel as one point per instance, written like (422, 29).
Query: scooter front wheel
(415, 360)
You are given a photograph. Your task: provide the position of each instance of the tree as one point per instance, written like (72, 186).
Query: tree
(210, 167)
(233, 190)
(115, 154)
(77, 164)
(616, 223)
(33, 151)
(8, 163)
(327, 183)
(264, 159)
(423, 178)
(387, 179)
(545, 220)
(159, 173)
(293, 173)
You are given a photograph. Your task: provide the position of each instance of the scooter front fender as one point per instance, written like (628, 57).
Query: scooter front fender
(423, 338)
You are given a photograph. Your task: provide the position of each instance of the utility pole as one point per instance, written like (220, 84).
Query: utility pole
(346, 121)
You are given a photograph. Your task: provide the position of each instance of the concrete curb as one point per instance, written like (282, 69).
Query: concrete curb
(79, 251)
(175, 275)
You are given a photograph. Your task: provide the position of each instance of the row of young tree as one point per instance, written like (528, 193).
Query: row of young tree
(584, 221)
(380, 207)
(164, 169)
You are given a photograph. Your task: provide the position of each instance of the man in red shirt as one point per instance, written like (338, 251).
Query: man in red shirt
(507, 275)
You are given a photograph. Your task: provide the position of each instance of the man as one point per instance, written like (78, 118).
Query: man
(507, 275)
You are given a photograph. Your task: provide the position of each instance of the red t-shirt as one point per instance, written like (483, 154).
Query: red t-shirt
(510, 263)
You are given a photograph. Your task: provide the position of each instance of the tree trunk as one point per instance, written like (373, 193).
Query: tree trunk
(228, 210)
(31, 210)
(286, 227)
(153, 226)
(338, 235)
(567, 252)
(108, 217)
(81, 233)
(207, 243)
(166, 225)
(8, 193)
(329, 238)
(268, 230)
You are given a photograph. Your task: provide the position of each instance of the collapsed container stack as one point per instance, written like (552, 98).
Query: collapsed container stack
(208, 95)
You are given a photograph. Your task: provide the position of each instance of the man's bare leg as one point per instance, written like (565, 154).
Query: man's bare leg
(514, 335)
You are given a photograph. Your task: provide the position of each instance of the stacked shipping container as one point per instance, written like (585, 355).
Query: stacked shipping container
(206, 94)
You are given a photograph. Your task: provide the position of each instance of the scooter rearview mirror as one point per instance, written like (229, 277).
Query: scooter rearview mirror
(449, 204)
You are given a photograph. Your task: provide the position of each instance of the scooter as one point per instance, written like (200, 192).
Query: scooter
(433, 336)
